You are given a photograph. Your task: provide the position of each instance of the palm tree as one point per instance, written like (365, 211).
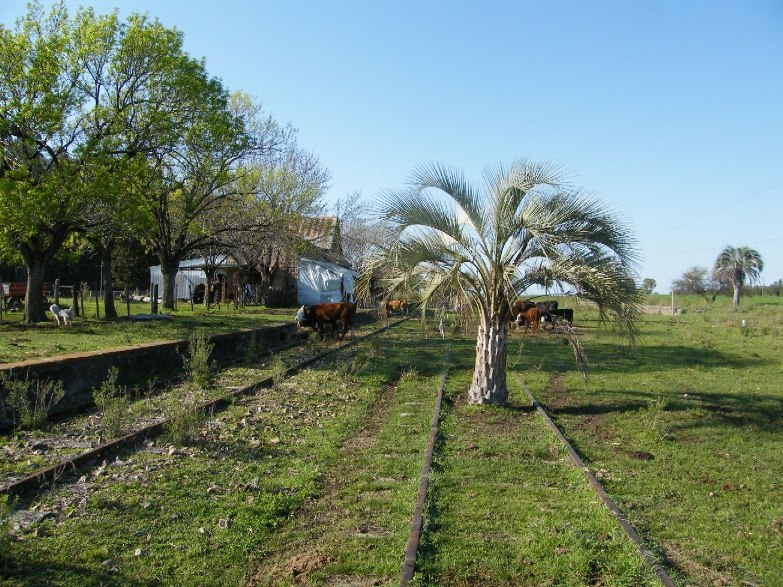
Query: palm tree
(524, 228)
(737, 264)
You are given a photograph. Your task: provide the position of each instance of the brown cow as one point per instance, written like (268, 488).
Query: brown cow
(528, 317)
(318, 315)
(390, 306)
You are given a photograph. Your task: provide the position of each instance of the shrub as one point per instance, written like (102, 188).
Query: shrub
(113, 401)
(197, 363)
(186, 419)
(29, 401)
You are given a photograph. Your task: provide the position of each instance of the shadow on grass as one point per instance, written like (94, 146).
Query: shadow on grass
(762, 413)
(43, 569)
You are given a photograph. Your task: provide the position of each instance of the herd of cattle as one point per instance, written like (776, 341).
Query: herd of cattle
(527, 313)
(523, 313)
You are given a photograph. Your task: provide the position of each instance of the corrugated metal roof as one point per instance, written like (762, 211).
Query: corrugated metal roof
(319, 231)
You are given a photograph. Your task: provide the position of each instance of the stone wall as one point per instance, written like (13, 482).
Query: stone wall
(139, 364)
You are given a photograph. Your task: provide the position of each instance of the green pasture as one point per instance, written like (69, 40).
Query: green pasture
(686, 433)
(314, 482)
(19, 341)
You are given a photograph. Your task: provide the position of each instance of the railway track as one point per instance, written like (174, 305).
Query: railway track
(67, 468)
(414, 539)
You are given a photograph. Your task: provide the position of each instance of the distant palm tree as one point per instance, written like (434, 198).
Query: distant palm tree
(491, 245)
(737, 264)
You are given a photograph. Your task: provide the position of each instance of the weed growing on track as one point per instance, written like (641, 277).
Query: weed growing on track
(278, 367)
(113, 401)
(186, 418)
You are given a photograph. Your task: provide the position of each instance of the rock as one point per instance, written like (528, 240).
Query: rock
(138, 552)
(23, 520)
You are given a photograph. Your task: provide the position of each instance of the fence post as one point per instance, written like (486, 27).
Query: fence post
(127, 299)
(57, 291)
(154, 301)
(190, 292)
(97, 308)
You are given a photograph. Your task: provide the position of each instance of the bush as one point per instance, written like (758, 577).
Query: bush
(113, 401)
(29, 401)
(186, 419)
(197, 362)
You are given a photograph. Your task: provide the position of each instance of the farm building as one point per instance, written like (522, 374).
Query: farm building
(279, 276)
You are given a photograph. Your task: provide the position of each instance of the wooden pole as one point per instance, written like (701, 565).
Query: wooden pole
(97, 307)
(127, 299)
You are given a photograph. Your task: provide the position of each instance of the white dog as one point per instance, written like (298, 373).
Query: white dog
(59, 314)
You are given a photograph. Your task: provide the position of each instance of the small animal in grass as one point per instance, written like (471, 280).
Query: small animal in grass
(66, 315)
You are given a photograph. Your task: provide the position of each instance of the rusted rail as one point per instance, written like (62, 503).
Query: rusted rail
(53, 473)
(409, 563)
(630, 531)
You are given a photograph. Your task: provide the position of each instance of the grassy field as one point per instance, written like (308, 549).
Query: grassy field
(686, 434)
(314, 481)
(19, 341)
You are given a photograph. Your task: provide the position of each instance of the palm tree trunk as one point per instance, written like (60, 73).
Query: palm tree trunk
(737, 289)
(489, 374)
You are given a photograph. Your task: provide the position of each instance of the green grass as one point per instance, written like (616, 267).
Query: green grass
(508, 508)
(686, 435)
(314, 481)
(19, 341)
(205, 515)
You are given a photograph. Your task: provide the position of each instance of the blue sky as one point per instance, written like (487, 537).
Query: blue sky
(671, 112)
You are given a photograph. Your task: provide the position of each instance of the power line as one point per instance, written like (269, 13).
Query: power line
(777, 238)
(716, 210)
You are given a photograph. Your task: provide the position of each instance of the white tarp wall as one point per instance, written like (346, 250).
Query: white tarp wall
(319, 281)
(187, 278)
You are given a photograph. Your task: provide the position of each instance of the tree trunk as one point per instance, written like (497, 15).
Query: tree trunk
(737, 290)
(108, 284)
(210, 273)
(34, 302)
(169, 274)
(489, 374)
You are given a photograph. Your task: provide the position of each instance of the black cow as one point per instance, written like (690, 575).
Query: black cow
(564, 313)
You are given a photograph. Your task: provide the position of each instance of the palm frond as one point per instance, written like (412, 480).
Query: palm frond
(453, 183)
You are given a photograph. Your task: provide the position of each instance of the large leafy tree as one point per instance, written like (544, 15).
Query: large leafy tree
(88, 103)
(524, 228)
(736, 265)
(43, 143)
(201, 173)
